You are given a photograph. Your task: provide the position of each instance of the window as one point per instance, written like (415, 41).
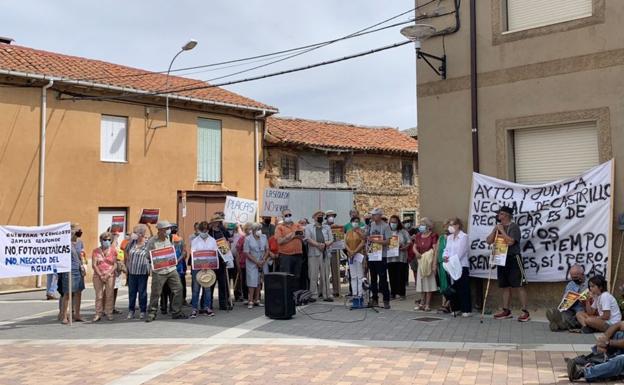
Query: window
(527, 14)
(208, 150)
(546, 154)
(407, 173)
(113, 139)
(105, 218)
(289, 167)
(336, 171)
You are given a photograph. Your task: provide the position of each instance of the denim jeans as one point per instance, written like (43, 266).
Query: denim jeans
(137, 284)
(196, 287)
(51, 283)
(612, 368)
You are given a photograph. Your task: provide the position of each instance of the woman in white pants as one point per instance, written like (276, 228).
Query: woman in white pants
(354, 242)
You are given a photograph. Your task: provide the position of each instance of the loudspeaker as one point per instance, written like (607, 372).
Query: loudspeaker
(278, 292)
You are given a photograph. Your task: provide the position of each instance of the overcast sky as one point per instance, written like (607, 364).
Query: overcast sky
(374, 90)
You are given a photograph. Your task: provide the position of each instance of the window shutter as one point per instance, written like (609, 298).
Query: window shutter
(208, 150)
(548, 154)
(113, 137)
(526, 14)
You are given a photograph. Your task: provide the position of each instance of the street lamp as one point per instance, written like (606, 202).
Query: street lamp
(186, 47)
(419, 32)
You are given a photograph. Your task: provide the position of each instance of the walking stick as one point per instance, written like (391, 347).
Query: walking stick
(487, 287)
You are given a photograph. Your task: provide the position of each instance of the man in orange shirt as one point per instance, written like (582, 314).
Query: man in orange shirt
(290, 240)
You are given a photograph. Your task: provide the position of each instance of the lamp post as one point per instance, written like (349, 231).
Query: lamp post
(186, 47)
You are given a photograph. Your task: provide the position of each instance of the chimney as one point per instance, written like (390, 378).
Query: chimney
(6, 40)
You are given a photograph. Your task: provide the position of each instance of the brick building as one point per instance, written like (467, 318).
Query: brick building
(328, 165)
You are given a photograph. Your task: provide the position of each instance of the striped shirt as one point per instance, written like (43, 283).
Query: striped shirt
(138, 262)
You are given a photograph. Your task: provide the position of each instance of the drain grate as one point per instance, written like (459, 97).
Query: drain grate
(427, 319)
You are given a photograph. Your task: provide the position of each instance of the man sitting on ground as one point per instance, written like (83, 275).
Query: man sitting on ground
(566, 320)
(611, 345)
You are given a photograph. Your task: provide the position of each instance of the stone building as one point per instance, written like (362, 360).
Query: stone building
(328, 165)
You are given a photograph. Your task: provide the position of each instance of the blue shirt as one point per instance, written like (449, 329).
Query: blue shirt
(573, 286)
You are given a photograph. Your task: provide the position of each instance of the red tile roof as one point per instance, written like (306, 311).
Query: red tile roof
(33, 61)
(312, 133)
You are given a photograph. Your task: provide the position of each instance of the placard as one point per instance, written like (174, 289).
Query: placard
(26, 251)
(238, 210)
(149, 216)
(204, 259)
(375, 250)
(274, 202)
(163, 258)
(562, 223)
(393, 247)
(499, 251)
(339, 238)
(569, 299)
(224, 250)
(118, 223)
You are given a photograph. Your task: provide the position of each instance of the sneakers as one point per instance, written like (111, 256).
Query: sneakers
(130, 315)
(150, 317)
(503, 314)
(142, 315)
(525, 317)
(575, 372)
(179, 315)
(587, 330)
(466, 315)
(209, 313)
(386, 304)
(555, 321)
(193, 314)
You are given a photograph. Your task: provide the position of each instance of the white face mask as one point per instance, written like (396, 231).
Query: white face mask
(258, 233)
(134, 236)
(355, 224)
(288, 219)
(330, 219)
(451, 230)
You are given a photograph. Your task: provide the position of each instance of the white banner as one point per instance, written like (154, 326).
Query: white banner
(275, 200)
(38, 250)
(562, 223)
(239, 210)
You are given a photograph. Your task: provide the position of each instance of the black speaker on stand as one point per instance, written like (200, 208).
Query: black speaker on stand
(278, 295)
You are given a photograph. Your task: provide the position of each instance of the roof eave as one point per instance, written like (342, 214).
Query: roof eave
(84, 83)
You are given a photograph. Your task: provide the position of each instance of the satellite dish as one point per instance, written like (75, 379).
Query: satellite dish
(418, 32)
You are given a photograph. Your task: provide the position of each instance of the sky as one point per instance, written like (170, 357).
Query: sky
(376, 90)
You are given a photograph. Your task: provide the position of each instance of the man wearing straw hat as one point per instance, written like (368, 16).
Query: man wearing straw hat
(166, 276)
(217, 231)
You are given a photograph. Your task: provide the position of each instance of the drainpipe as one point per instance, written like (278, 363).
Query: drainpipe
(42, 148)
(257, 160)
(473, 86)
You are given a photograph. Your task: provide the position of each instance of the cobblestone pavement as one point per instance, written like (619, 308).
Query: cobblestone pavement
(322, 344)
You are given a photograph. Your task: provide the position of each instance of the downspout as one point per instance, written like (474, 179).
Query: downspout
(42, 147)
(474, 104)
(257, 160)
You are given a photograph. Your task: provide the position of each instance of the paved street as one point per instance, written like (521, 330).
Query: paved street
(322, 344)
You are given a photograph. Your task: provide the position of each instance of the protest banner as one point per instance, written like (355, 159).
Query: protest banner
(118, 223)
(375, 250)
(225, 251)
(36, 250)
(149, 216)
(393, 247)
(562, 223)
(204, 259)
(163, 258)
(239, 210)
(339, 238)
(275, 200)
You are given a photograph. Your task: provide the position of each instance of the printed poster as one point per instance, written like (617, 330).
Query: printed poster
(149, 216)
(224, 250)
(375, 252)
(339, 238)
(118, 224)
(204, 260)
(499, 251)
(163, 258)
(393, 247)
(569, 299)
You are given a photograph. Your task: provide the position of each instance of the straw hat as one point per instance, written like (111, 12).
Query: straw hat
(206, 278)
(216, 218)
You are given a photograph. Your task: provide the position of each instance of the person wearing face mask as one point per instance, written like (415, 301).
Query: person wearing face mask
(425, 245)
(166, 276)
(319, 237)
(397, 265)
(566, 320)
(103, 259)
(77, 283)
(290, 245)
(138, 266)
(268, 229)
(379, 232)
(217, 230)
(354, 244)
(203, 241)
(443, 277)
(334, 255)
(457, 248)
(511, 276)
(256, 249)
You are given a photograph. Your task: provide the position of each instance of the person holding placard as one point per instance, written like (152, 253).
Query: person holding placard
(456, 254)
(397, 258)
(425, 246)
(199, 245)
(564, 316)
(166, 275)
(218, 231)
(104, 259)
(354, 244)
(256, 250)
(138, 266)
(319, 237)
(510, 275)
(379, 236)
(334, 255)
